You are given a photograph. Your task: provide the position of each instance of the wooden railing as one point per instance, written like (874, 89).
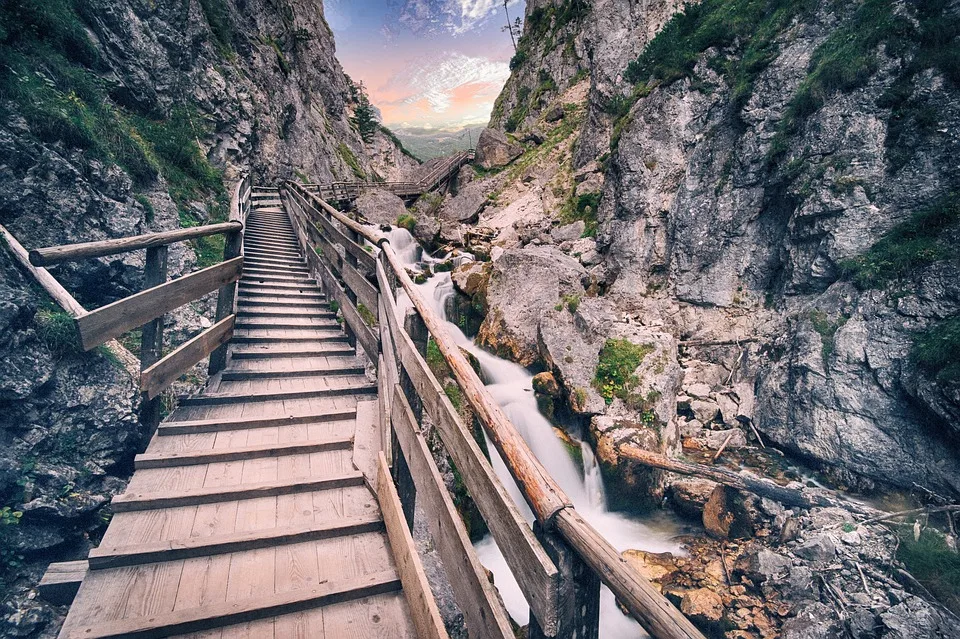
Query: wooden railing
(344, 191)
(147, 308)
(560, 562)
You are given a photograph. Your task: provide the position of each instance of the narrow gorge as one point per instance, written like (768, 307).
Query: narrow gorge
(699, 245)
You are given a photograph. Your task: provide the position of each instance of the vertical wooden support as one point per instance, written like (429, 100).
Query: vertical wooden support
(151, 342)
(578, 608)
(226, 299)
(414, 326)
(352, 261)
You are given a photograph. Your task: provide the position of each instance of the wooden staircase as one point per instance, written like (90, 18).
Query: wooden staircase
(247, 515)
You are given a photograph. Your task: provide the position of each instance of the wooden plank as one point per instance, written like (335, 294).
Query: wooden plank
(115, 319)
(365, 336)
(131, 501)
(61, 581)
(416, 588)
(192, 458)
(476, 596)
(336, 235)
(361, 388)
(650, 608)
(158, 377)
(365, 291)
(73, 252)
(235, 612)
(118, 556)
(535, 572)
(367, 441)
(189, 427)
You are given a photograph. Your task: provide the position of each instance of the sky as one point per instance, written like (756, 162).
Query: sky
(426, 63)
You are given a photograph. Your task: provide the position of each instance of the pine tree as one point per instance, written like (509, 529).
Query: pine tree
(365, 116)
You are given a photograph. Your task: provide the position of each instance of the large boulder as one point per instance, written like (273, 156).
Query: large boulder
(466, 205)
(524, 284)
(380, 207)
(495, 150)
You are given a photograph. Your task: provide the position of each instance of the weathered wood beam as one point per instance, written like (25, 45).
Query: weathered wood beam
(73, 252)
(158, 377)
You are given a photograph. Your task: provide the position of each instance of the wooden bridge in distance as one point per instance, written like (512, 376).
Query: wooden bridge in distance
(279, 502)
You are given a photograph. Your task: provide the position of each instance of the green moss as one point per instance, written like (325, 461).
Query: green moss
(366, 315)
(407, 221)
(10, 560)
(435, 360)
(334, 306)
(221, 25)
(619, 358)
(937, 350)
(58, 332)
(908, 246)
(149, 213)
(827, 329)
(933, 564)
(351, 160)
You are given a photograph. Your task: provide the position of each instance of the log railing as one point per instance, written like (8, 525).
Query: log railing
(560, 562)
(147, 308)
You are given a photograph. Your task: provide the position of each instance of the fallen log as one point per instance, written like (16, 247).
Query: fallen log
(741, 481)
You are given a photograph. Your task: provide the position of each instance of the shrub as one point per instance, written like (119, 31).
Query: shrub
(406, 221)
(937, 350)
(827, 329)
(934, 565)
(619, 358)
(572, 302)
(57, 330)
(518, 59)
(907, 246)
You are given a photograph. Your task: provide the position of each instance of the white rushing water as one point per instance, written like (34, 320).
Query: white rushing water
(512, 387)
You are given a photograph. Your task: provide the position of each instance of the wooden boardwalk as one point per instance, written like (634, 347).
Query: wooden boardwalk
(249, 514)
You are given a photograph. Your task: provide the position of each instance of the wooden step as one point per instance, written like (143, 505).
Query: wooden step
(219, 615)
(278, 279)
(333, 371)
(280, 286)
(135, 555)
(216, 399)
(191, 427)
(277, 323)
(256, 302)
(261, 293)
(260, 351)
(133, 501)
(258, 251)
(267, 311)
(194, 458)
(269, 262)
(298, 339)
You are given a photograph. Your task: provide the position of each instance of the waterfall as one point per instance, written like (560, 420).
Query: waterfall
(511, 386)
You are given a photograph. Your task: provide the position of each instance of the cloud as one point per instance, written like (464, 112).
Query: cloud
(454, 16)
(436, 80)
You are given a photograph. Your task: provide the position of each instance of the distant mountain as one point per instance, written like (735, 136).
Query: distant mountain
(431, 143)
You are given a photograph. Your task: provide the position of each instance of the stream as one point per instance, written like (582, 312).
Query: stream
(511, 386)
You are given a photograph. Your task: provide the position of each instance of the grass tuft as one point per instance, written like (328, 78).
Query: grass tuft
(619, 359)
(937, 350)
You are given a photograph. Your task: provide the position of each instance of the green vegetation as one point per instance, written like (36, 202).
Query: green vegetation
(934, 565)
(937, 350)
(149, 213)
(10, 560)
(406, 221)
(351, 160)
(364, 118)
(454, 394)
(57, 331)
(366, 315)
(907, 246)
(528, 100)
(827, 329)
(517, 60)
(334, 306)
(218, 17)
(435, 359)
(393, 138)
(583, 207)
(572, 302)
(619, 358)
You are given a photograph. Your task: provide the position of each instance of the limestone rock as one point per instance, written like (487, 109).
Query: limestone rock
(568, 232)
(819, 549)
(702, 605)
(471, 278)
(466, 204)
(763, 565)
(495, 150)
(727, 514)
(714, 439)
(524, 285)
(546, 384)
(690, 495)
(379, 206)
(654, 566)
(705, 410)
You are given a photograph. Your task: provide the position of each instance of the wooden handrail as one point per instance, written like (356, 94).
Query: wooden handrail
(85, 250)
(549, 503)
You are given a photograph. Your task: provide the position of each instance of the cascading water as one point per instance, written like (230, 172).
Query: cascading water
(511, 386)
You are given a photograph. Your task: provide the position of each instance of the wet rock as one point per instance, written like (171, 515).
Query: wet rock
(690, 495)
(546, 384)
(729, 513)
(702, 605)
(524, 285)
(654, 566)
(494, 150)
(471, 278)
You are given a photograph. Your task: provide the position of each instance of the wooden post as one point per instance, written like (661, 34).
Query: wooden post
(151, 342)
(226, 299)
(578, 605)
(417, 330)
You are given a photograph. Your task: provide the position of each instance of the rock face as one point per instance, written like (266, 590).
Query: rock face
(494, 150)
(734, 217)
(380, 207)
